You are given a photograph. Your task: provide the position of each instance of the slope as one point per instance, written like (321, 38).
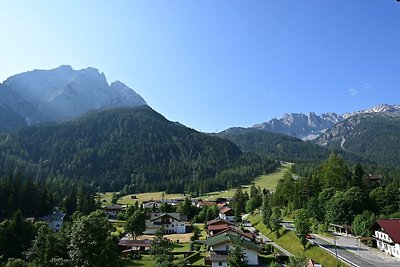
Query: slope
(120, 147)
(372, 135)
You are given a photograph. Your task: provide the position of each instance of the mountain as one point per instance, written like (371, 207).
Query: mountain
(305, 127)
(273, 145)
(283, 147)
(62, 93)
(372, 133)
(9, 120)
(135, 147)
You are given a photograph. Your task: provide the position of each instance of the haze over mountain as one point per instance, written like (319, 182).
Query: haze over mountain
(61, 93)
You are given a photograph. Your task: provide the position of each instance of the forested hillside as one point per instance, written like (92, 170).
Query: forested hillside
(282, 147)
(373, 136)
(135, 148)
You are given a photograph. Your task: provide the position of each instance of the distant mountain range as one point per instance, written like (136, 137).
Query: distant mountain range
(63, 93)
(58, 94)
(371, 135)
(310, 126)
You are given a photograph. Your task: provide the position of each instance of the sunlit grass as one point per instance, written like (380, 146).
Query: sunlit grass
(147, 197)
(290, 242)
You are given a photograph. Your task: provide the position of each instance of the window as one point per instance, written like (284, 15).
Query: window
(219, 263)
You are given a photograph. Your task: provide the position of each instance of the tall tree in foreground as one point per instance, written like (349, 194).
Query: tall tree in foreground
(236, 256)
(161, 249)
(302, 224)
(275, 220)
(136, 224)
(91, 242)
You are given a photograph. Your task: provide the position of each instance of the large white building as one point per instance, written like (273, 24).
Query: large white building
(54, 220)
(387, 236)
(173, 223)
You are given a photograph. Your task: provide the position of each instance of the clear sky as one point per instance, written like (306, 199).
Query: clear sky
(213, 64)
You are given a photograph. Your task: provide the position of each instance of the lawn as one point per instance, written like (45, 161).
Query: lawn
(105, 198)
(268, 181)
(147, 197)
(145, 261)
(290, 242)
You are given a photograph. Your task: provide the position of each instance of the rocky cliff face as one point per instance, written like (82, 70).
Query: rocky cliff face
(61, 93)
(302, 126)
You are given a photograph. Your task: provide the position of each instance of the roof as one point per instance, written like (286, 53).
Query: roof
(134, 243)
(207, 203)
(218, 256)
(219, 220)
(226, 210)
(216, 227)
(113, 207)
(235, 230)
(229, 238)
(57, 215)
(175, 215)
(389, 226)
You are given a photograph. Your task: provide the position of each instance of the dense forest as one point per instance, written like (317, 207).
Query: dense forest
(372, 136)
(135, 149)
(283, 147)
(333, 192)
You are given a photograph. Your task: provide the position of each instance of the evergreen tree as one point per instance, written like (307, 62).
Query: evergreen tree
(161, 249)
(91, 242)
(136, 224)
(236, 255)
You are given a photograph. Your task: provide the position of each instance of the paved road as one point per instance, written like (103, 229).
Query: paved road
(349, 250)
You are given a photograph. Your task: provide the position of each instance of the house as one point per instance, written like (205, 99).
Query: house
(54, 220)
(219, 246)
(227, 214)
(387, 236)
(202, 204)
(129, 246)
(173, 223)
(113, 210)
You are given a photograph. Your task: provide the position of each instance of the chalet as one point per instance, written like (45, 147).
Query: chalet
(219, 246)
(113, 210)
(173, 223)
(387, 236)
(54, 220)
(227, 214)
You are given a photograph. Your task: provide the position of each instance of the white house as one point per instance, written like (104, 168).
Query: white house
(220, 245)
(227, 214)
(173, 223)
(113, 210)
(54, 220)
(387, 236)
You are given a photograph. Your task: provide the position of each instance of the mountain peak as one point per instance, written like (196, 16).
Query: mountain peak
(60, 93)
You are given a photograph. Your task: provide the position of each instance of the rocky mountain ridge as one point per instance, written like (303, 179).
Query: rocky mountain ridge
(310, 126)
(62, 93)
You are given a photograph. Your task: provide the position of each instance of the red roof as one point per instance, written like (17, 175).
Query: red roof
(215, 227)
(391, 227)
(226, 210)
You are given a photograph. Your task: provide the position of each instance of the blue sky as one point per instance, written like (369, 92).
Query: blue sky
(215, 64)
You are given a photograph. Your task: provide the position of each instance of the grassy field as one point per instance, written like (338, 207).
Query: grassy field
(146, 197)
(290, 242)
(268, 181)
